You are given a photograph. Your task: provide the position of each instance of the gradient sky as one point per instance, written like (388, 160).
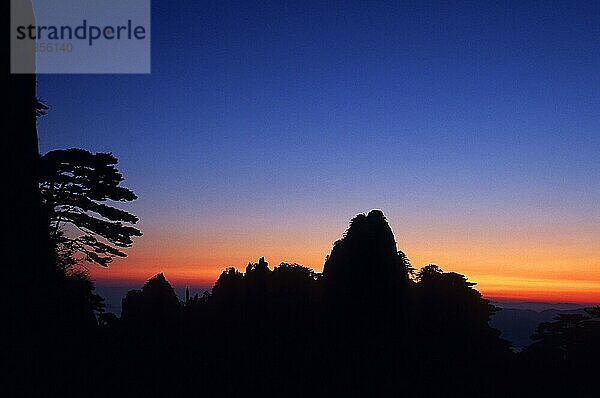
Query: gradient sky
(264, 128)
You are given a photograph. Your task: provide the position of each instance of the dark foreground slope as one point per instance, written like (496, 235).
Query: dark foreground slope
(368, 325)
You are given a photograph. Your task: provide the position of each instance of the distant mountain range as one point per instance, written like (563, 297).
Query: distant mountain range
(518, 319)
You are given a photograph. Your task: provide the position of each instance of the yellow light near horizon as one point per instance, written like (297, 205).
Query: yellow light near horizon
(521, 263)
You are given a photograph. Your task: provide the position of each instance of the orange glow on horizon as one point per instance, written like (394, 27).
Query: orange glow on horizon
(562, 265)
(491, 286)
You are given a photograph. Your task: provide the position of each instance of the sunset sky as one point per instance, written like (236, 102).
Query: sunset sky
(262, 130)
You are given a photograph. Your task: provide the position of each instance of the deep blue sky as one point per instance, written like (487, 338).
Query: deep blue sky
(277, 110)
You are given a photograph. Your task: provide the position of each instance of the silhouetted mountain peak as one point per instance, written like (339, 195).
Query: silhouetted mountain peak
(158, 286)
(156, 280)
(366, 256)
(371, 228)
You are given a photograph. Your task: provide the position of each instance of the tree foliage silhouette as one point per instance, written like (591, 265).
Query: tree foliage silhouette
(75, 186)
(452, 310)
(569, 336)
(364, 327)
(564, 355)
(80, 303)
